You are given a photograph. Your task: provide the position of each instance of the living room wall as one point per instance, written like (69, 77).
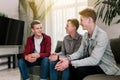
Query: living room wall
(113, 30)
(9, 8)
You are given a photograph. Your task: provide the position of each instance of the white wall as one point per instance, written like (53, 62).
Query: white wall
(113, 30)
(10, 8)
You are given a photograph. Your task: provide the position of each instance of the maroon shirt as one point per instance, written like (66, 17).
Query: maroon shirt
(45, 46)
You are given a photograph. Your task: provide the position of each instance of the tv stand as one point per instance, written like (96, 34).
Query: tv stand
(9, 53)
(11, 60)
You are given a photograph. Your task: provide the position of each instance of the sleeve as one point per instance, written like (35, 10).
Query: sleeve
(62, 52)
(27, 49)
(78, 54)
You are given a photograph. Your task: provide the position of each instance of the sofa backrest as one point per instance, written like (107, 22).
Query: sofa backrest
(115, 46)
(58, 46)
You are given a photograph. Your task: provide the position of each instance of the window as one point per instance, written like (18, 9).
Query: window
(61, 11)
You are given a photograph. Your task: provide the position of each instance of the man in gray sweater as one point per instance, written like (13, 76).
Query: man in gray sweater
(71, 44)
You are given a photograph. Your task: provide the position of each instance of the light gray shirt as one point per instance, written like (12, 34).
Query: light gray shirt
(70, 45)
(100, 55)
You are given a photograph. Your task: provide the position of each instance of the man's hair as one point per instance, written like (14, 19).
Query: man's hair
(75, 22)
(88, 13)
(34, 23)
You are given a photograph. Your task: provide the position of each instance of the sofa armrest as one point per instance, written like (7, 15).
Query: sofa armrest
(115, 46)
(101, 77)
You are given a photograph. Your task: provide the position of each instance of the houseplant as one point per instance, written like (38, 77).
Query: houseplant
(30, 10)
(107, 10)
(2, 14)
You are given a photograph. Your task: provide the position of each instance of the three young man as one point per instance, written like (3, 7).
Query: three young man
(94, 55)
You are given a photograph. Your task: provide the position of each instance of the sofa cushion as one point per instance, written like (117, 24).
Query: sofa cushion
(34, 77)
(115, 46)
(101, 77)
(35, 70)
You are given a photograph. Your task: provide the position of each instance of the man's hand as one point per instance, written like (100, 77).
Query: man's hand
(53, 57)
(35, 55)
(32, 57)
(62, 64)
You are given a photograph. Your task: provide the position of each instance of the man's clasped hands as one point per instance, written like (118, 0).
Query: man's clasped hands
(62, 63)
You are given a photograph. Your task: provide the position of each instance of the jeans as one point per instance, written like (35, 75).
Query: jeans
(54, 73)
(24, 66)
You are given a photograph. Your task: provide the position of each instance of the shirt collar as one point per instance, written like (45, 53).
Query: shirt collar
(94, 33)
(76, 36)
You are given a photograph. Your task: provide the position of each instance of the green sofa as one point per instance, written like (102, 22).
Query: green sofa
(115, 46)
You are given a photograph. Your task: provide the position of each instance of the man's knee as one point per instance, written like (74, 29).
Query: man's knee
(53, 63)
(21, 61)
(45, 60)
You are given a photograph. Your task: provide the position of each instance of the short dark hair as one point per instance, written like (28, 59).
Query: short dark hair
(34, 23)
(75, 22)
(89, 13)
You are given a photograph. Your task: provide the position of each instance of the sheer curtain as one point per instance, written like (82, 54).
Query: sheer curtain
(56, 19)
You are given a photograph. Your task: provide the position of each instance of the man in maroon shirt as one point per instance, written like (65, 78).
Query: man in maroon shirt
(37, 50)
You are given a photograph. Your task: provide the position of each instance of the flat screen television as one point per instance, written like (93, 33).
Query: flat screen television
(11, 31)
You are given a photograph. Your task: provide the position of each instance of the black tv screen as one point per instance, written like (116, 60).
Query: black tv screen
(11, 31)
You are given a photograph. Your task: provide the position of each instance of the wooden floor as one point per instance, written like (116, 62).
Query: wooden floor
(10, 74)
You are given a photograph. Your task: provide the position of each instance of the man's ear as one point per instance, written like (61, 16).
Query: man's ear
(90, 19)
(32, 30)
